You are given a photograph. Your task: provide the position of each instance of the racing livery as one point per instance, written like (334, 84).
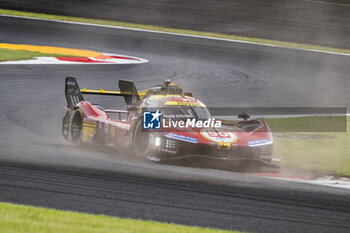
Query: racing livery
(163, 123)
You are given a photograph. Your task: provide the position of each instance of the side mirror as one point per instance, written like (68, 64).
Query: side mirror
(243, 115)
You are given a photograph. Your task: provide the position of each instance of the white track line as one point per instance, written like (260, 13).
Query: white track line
(330, 181)
(285, 116)
(177, 34)
(328, 3)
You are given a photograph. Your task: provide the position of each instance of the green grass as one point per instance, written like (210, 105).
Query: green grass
(317, 151)
(25, 219)
(172, 30)
(312, 143)
(308, 124)
(11, 55)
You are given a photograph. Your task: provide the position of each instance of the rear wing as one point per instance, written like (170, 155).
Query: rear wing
(74, 94)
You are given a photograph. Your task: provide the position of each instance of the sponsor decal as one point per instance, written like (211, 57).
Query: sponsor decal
(71, 83)
(259, 142)
(169, 151)
(219, 136)
(182, 137)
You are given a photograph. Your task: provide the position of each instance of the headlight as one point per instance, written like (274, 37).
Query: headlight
(157, 141)
(170, 143)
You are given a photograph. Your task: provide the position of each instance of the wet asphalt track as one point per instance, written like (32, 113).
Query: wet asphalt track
(39, 168)
(320, 22)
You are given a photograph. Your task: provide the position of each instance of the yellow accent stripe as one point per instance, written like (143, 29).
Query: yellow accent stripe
(224, 145)
(161, 96)
(142, 93)
(84, 90)
(49, 49)
(89, 126)
(184, 103)
(89, 123)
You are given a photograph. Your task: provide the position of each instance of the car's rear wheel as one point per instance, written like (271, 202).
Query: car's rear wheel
(76, 127)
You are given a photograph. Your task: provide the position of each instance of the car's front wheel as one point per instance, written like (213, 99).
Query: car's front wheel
(141, 141)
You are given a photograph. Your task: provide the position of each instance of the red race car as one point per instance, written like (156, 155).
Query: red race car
(163, 123)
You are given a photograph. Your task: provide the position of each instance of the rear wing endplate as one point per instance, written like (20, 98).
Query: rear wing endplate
(129, 87)
(72, 92)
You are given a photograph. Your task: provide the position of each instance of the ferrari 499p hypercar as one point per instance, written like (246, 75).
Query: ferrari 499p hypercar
(163, 123)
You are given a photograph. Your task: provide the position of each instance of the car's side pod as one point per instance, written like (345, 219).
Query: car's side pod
(72, 92)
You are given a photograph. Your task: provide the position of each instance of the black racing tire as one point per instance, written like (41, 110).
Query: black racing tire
(76, 127)
(140, 141)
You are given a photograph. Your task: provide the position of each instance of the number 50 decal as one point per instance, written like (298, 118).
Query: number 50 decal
(219, 136)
